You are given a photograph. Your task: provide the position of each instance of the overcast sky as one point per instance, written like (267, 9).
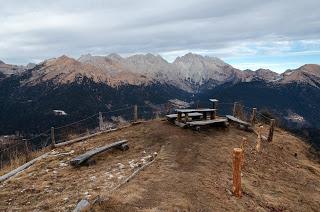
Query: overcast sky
(275, 34)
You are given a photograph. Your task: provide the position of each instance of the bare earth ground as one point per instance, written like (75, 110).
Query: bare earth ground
(192, 172)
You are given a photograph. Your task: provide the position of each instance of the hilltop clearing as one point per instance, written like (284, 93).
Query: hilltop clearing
(191, 171)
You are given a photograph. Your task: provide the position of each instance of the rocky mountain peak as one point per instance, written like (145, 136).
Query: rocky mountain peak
(115, 56)
(266, 74)
(1, 62)
(307, 74)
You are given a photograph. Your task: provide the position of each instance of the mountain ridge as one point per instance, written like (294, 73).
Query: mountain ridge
(190, 72)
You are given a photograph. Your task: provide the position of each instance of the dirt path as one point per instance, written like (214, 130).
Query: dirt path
(192, 172)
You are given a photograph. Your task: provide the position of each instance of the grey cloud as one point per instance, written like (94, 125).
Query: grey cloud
(41, 29)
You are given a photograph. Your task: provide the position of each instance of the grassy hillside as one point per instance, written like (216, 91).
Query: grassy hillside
(191, 171)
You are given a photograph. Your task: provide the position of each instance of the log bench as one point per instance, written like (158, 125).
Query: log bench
(233, 119)
(77, 161)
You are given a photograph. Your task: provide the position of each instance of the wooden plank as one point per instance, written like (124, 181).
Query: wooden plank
(84, 157)
(174, 116)
(195, 110)
(207, 122)
(21, 168)
(234, 119)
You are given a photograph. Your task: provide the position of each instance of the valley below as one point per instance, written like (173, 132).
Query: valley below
(29, 95)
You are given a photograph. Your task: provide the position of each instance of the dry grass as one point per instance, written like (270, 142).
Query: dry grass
(192, 172)
(20, 158)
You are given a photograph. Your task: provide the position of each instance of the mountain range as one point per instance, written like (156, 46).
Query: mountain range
(98, 83)
(190, 72)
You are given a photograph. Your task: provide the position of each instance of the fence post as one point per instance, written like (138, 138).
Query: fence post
(135, 113)
(235, 104)
(26, 149)
(237, 158)
(270, 136)
(258, 146)
(253, 117)
(157, 114)
(53, 141)
(1, 153)
(243, 144)
(100, 121)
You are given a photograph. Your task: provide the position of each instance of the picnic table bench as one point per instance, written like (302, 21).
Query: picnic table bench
(207, 122)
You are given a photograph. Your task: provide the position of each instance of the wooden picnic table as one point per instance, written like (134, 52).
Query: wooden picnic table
(204, 112)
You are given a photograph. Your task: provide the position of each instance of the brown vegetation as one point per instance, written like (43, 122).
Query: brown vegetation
(193, 171)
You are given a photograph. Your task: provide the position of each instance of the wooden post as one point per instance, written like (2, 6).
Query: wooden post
(1, 162)
(243, 144)
(270, 136)
(53, 141)
(258, 146)
(235, 104)
(26, 149)
(100, 121)
(213, 114)
(1, 154)
(253, 116)
(214, 103)
(135, 113)
(237, 157)
(179, 117)
(186, 117)
(204, 115)
(157, 115)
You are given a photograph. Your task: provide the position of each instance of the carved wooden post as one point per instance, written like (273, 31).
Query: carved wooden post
(237, 157)
(253, 116)
(179, 117)
(53, 141)
(270, 136)
(135, 113)
(235, 104)
(100, 121)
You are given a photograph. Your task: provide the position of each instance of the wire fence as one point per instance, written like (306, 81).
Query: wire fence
(11, 149)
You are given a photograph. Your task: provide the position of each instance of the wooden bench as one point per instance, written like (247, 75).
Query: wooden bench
(172, 117)
(207, 122)
(86, 156)
(202, 123)
(247, 125)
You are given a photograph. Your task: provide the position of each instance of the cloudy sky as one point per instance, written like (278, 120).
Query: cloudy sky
(275, 34)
